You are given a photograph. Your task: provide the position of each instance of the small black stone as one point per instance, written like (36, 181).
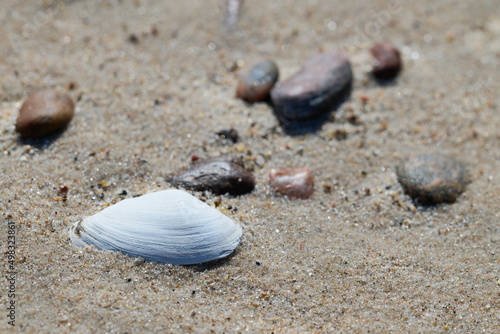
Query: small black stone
(132, 38)
(229, 134)
(432, 178)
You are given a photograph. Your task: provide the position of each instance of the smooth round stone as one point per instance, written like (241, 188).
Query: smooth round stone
(256, 84)
(432, 179)
(319, 86)
(293, 183)
(387, 63)
(219, 175)
(44, 112)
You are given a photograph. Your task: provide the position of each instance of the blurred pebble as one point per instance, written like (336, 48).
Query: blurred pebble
(222, 158)
(132, 38)
(44, 112)
(255, 85)
(220, 175)
(260, 161)
(432, 179)
(230, 134)
(324, 81)
(387, 63)
(294, 183)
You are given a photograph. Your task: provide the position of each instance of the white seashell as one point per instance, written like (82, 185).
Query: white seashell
(166, 226)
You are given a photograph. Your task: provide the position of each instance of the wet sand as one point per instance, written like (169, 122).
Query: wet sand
(346, 260)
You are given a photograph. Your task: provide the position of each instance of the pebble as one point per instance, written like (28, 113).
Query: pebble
(44, 112)
(319, 86)
(432, 178)
(219, 175)
(387, 63)
(223, 158)
(229, 134)
(293, 183)
(256, 84)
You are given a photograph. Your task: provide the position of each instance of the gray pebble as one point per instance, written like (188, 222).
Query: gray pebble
(219, 175)
(255, 85)
(433, 178)
(322, 83)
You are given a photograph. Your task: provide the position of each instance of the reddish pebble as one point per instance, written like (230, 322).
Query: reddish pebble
(63, 190)
(44, 113)
(387, 63)
(255, 85)
(294, 183)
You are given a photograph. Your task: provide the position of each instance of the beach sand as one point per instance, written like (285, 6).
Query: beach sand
(152, 82)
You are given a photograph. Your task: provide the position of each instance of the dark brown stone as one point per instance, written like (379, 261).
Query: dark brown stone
(293, 183)
(318, 87)
(387, 63)
(256, 84)
(44, 112)
(219, 175)
(433, 179)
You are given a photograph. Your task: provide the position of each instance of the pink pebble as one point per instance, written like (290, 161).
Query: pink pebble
(294, 183)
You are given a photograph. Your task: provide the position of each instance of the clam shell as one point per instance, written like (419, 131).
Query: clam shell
(166, 226)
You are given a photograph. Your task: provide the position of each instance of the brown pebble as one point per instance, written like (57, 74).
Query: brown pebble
(387, 63)
(63, 190)
(256, 84)
(220, 175)
(318, 87)
(293, 183)
(432, 178)
(154, 31)
(44, 112)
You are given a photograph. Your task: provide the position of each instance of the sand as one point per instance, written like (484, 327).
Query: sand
(345, 260)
